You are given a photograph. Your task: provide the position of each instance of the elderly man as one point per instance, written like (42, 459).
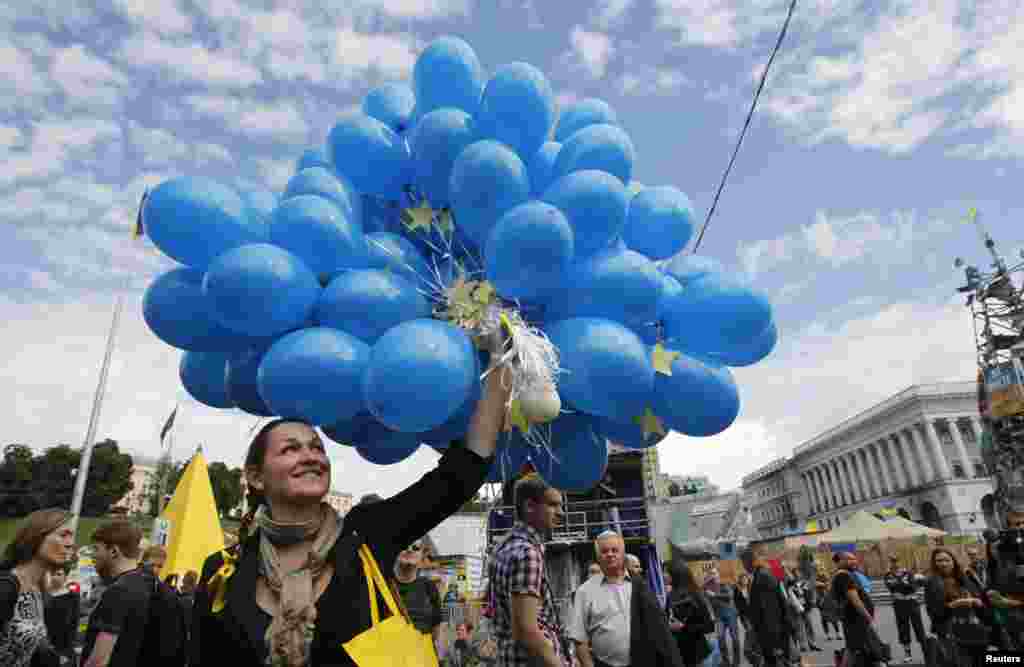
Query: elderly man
(616, 620)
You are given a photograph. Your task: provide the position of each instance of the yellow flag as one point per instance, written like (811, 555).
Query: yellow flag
(194, 531)
(812, 526)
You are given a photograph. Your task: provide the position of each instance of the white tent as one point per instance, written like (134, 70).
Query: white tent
(916, 528)
(865, 527)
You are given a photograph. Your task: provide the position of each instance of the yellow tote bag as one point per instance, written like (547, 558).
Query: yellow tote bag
(393, 642)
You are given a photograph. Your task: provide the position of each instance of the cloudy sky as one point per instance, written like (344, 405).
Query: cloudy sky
(881, 124)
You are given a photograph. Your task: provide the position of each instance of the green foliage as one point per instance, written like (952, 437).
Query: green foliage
(227, 486)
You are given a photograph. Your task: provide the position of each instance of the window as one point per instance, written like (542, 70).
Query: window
(958, 471)
(980, 470)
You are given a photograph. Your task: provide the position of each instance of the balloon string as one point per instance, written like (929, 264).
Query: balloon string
(746, 124)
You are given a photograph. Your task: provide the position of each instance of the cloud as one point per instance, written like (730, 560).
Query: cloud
(841, 240)
(590, 52)
(419, 9)
(86, 80)
(647, 80)
(158, 147)
(23, 87)
(188, 62)
(54, 142)
(51, 382)
(391, 54)
(717, 23)
(163, 17)
(825, 373)
(274, 121)
(611, 13)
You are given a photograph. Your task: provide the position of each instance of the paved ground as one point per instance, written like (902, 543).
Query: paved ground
(886, 625)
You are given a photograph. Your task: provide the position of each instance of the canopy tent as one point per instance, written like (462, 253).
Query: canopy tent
(916, 528)
(865, 527)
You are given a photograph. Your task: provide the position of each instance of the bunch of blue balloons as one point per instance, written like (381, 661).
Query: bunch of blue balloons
(323, 304)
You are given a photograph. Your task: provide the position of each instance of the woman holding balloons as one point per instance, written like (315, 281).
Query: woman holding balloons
(294, 592)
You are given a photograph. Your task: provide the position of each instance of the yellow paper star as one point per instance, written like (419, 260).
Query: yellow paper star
(484, 293)
(662, 359)
(516, 418)
(650, 423)
(634, 187)
(461, 291)
(421, 216)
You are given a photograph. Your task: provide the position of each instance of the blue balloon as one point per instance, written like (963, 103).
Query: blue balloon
(670, 289)
(314, 157)
(325, 183)
(541, 167)
(178, 313)
(392, 252)
(660, 222)
(261, 290)
(420, 373)
(579, 454)
(688, 268)
(448, 74)
(367, 303)
(314, 375)
(613, 284)
(319, 233)
(607, 371)
(582, 114)
(379, 215)
(391, 104)
(373, 441)
(595, 204)
(597, 147)
(260, 203)
(439, 138)
(698, 399)
(388, 451)
(242, 384)
(371, 155)
(512, 454)
(751, 352)
(487, 180)
(528, 250)
(715, 315)
(350, 432)
(192, 220)
(457, 425)
(631, 435)
(517, 108)
(204, 377)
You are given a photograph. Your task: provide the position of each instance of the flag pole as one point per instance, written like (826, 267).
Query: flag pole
(94, 417)
(159, 532)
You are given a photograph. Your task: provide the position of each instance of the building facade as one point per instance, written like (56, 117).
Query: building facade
(142, 478)
(916, 453)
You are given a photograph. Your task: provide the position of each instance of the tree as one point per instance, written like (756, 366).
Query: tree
(227, 486)
(166, 477)
(475, 505)
(57, 468)
(19, 490)
(110, 478)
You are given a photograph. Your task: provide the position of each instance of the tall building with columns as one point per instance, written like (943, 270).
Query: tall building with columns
(916, 453)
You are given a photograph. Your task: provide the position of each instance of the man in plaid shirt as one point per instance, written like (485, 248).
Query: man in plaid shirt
(525, 621)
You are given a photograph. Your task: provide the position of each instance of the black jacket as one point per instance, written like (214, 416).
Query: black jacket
(767, 611)
(343, 611)
(651, 641)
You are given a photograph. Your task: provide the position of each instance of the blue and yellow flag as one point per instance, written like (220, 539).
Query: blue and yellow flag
(140, 227)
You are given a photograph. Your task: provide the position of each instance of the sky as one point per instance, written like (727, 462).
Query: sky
(880, 124)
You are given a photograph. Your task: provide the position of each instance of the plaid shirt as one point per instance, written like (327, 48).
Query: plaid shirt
(518, 567)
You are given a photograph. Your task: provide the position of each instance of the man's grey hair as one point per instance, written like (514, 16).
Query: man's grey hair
(632, 558)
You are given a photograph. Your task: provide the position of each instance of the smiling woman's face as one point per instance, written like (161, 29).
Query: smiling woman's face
(296, 470)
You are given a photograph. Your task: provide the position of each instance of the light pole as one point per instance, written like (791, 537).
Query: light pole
(90, 435)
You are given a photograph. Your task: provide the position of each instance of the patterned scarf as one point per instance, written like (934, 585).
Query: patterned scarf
(290, 634)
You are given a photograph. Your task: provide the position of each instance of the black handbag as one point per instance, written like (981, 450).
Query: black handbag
(875, 648)
(968, 629)
(941, 652)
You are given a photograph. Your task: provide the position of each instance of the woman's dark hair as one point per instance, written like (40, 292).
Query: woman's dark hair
(188, 582)
(683, 580)
(33, 530)
(951, 589)
(254, 458)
